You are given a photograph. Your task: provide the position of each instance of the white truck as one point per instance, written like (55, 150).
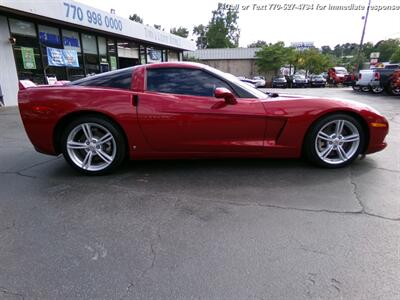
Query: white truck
(364, 79)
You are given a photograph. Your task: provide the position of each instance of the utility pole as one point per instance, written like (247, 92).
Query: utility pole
(362, 37)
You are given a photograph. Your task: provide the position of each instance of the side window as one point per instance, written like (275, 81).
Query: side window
(120, 79)
(183, 81)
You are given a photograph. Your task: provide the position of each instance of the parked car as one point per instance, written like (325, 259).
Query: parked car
(325, 75)
(339, 75)
(298, 80)
(317, 81)
(279, 82)
(259, 81)
(248, 81)
(364, 78)
(187, 110)
(382, 79)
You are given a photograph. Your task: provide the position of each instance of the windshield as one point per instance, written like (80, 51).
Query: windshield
(253, 91)
(341, 71)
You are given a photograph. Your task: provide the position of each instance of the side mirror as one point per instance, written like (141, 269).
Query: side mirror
(224, 93)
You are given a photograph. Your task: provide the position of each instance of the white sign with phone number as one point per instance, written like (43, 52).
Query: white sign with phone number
(93, 17)
(83, 15)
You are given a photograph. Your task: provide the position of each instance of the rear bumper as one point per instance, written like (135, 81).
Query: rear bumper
(375, 83)
(283, 85)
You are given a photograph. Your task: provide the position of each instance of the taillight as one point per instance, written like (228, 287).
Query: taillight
(377, 75)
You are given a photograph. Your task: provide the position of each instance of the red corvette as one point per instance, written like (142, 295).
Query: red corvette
(187, 110)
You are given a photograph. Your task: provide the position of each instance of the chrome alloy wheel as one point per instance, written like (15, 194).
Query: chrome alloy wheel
(91, 146)
(377, 89)
(337, 142)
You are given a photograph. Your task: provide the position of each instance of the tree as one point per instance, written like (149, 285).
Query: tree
(200, 32)
(367, 49)
(326, 50)
(221, 32)
(258, 44)
(273, 56)
(396, 56)
(311, 60)
(387, 48)
(136, 18)
(180, 31)
(157, 26)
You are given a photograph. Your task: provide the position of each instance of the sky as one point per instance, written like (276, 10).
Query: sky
(266, 19)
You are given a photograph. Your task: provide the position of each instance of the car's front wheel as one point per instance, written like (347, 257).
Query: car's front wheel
(93, 145)
(395, 90)
(334, 141)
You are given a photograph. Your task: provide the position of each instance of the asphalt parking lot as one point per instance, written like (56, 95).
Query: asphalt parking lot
(218, 229)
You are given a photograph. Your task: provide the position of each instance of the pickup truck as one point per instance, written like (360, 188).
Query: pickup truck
(364, 78)
(339, 75)
(383, 79)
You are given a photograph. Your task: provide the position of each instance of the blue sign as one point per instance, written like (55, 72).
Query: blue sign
(50, 39)
(62, 57)
(155, 54)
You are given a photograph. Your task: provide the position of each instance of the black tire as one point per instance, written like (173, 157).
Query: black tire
(356, 87)
(394, 90)
(118, 144)
(310, 143)
(365, 89)
(377, 90)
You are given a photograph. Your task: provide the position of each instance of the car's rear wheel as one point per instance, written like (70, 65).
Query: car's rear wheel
(365, 88)
(334, 141)
(356, 87)
(377, 89)
(93, 145)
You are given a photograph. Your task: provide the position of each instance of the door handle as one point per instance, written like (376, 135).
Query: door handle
(135, 100)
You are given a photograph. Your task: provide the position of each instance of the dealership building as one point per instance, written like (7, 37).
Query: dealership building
(44, 41)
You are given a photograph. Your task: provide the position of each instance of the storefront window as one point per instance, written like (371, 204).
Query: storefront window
(164, 55)
(50, 37)
(153, 55)
(173, 55)
(112, 54)
(26, 51)
(102, 45)
(90, 54)
(128, 54)
(112, 49)
(71, 42)
(22, 27)
(143, 55)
